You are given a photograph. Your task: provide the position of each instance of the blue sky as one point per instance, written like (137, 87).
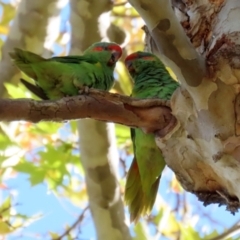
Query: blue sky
(57, 212)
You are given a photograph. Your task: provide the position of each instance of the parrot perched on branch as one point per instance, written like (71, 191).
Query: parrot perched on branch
(65, 76)
(151, 80)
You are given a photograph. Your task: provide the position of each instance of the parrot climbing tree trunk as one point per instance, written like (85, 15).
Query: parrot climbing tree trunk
(200, 42)
(43, 16)
(151, 80)
(98, 148)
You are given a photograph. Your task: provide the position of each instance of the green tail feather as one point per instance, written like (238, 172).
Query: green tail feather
(138, 201)
(34, 89)
(24, 59)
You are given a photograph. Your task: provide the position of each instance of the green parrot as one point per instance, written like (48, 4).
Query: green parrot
(57, 77)
(151, 80)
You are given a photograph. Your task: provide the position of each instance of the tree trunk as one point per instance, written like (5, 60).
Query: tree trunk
(203, 149)
(35, 28)
(90, 22)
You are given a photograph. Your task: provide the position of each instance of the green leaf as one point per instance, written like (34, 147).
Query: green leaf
(74, 126)
(126, 12)
(37, 177)
(2, 159)
(159, 216)
(5, 207)
(54, 235)
(15, 91)
(122, 133)
(5, 141)
(188, 233)
(36, 173)
(25, 167)
(46, 128)
(141, 231)
(53, 157)
(4, 228)
(9, 12)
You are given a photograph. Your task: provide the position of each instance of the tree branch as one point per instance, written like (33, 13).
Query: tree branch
(74, 225)
(149, 114)
(232, 231)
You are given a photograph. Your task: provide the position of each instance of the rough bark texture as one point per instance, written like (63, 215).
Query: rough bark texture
(169, 41)
(152, 115)
(204, 148)
(35, 28)
(90, 23)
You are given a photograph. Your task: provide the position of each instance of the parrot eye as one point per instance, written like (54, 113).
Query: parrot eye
(131, 69)
(129, 65)
(112, 60)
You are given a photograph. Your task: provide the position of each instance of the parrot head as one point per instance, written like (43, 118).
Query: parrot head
(105, 52)
(139, 61)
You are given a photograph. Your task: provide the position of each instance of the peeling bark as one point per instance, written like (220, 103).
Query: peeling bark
(35, 28)
(203, 148)
(91, 22)
(169, 41)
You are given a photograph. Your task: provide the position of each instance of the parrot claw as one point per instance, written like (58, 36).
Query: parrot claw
(84, 90)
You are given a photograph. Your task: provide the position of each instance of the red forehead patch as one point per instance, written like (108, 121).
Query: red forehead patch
(132, 56)
(98, 48)
(115, 48)
(149, 58)
(140, 55)
(108, 47)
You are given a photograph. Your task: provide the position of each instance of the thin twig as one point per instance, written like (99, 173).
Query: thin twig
(235, 229)
(78, 221)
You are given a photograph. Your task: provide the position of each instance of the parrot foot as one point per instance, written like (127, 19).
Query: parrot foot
(84, 90)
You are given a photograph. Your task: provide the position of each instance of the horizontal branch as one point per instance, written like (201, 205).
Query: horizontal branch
(149, 114)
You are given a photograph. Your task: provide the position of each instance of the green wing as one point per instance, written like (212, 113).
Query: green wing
(62, 76)
(34, 89)
(74, 59)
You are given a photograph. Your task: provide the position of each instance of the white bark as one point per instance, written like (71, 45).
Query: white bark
(100, 160)
(35, 28)
(203, 149)
(170, 41)
(207, 136)
(90, 21)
